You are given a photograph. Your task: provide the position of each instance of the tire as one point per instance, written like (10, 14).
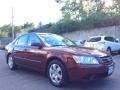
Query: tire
(109, 51)
(11, 63)
(57, 73)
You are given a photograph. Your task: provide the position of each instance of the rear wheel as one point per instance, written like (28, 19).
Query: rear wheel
(57, 73)
(11, 63)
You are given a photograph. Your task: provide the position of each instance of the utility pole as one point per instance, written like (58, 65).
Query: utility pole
(13, 31)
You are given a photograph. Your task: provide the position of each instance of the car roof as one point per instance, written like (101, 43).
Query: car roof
(43, 33)
(100, 36)
(36, 33)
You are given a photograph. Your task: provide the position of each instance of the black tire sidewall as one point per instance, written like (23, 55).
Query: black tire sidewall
(14, 66)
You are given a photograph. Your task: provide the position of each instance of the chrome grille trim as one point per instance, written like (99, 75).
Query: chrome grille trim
(107, 60)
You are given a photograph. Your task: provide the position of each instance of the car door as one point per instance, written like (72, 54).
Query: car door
(117, 45)
(19, 50)
(111, 43)
(35, 55)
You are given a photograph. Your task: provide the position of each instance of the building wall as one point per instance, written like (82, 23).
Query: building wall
(85, 34)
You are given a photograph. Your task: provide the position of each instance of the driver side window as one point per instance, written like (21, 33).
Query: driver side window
(33, 39)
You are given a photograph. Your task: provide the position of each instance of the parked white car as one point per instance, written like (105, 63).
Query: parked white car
(105, 43)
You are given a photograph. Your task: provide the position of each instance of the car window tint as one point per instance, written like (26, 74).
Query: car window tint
(109, 39)
(96, 39)
(33, 39)
(22, 40)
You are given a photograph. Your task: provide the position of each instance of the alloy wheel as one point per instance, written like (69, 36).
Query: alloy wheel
(55, 73)
(10, 62)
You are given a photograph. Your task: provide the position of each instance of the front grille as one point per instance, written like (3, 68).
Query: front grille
(107, 60)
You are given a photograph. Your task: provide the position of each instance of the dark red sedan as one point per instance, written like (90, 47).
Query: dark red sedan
(59, 58)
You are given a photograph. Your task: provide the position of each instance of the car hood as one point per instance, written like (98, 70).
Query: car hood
(80, 51)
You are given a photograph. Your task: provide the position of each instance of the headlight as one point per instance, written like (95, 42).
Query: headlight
(85, 60)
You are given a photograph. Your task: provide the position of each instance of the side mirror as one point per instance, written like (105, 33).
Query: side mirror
(37, 45)
(117, 40)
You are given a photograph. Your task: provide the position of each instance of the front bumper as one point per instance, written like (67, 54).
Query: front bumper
(90, 72)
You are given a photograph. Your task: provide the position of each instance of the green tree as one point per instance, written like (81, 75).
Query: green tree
(28, 26)
(80, 9)
(72, 9)
(5, 30)
(116, 6)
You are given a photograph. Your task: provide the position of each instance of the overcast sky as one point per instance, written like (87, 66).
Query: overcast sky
(29, 11)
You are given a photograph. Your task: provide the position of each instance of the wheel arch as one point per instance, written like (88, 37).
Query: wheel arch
(109, 48)
(55, 58)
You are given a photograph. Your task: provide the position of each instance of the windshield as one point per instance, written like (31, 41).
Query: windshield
(55, 40)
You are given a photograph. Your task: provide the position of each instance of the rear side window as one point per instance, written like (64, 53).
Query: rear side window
(96, 39)
(111, 39)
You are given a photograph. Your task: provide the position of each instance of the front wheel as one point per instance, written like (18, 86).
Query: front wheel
(11, 63)
(57, 73)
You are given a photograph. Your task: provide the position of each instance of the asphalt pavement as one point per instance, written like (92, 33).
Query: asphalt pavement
(24, 79)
